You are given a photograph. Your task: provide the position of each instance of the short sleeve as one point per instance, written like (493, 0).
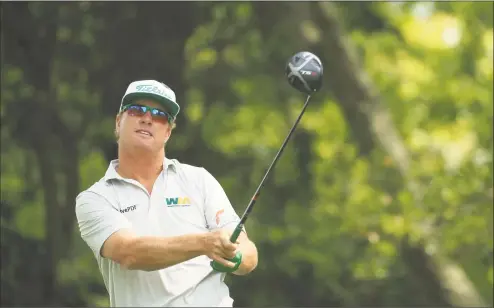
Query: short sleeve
(97, 220)
(218, 209)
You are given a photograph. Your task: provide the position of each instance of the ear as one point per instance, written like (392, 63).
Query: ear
(118, 118)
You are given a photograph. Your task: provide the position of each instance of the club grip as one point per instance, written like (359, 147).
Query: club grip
(238, 257)
(236, 233)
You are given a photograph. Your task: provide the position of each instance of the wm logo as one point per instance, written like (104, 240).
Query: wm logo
(178, 201)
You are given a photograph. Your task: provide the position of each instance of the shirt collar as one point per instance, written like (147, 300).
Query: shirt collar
(112, 174)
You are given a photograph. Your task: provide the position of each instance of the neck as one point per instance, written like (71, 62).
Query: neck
(142, 167)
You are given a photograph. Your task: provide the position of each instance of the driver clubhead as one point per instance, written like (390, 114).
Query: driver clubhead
(304, 72)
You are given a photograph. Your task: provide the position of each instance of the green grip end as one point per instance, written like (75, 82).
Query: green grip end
(221, 268)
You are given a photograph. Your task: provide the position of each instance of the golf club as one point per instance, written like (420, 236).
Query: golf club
(304, 72)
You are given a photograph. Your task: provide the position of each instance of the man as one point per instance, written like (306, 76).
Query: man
(153, 223)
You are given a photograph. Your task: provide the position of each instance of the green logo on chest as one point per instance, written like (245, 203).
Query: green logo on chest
(177, 201)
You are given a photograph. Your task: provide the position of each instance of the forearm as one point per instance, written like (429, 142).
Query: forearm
(249, 257)
(150, 253)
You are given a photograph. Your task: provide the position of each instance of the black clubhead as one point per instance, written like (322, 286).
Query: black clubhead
(304, 72)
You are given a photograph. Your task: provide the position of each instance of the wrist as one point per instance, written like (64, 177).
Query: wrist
(202, 243)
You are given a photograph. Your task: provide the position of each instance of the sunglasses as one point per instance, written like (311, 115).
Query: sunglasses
(139, 110)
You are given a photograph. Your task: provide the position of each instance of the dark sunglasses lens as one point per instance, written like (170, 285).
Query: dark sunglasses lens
(160, 115)
(136, 110)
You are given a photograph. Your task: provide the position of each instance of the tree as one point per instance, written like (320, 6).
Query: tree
(381, 197)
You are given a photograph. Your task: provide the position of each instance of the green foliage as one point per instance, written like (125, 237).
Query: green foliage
(329, 222)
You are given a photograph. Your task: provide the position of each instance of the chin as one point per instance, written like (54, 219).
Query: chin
(139, 144)
(142, 144)
(145, 144)
(149, 146)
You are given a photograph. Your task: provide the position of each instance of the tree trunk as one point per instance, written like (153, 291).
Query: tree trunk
(52, 221)
(48, 137)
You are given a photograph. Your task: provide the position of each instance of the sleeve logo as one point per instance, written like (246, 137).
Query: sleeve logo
(218, 216)
(128, 209)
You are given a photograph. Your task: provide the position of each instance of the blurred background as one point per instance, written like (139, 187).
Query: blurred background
(384, 197)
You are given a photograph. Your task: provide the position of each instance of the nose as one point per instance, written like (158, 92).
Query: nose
(147, 118)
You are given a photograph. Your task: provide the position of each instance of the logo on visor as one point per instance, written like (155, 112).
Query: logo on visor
(154, 89)
(177, 202)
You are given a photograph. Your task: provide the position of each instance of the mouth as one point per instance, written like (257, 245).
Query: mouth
(144, 132)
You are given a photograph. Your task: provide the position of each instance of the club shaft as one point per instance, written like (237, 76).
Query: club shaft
(249, 208)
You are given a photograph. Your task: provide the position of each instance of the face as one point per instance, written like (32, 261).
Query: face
(138, 130)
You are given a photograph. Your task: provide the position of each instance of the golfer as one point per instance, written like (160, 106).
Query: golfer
(154, 223)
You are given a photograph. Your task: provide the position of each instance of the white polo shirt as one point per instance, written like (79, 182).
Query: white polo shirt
(185, 199)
